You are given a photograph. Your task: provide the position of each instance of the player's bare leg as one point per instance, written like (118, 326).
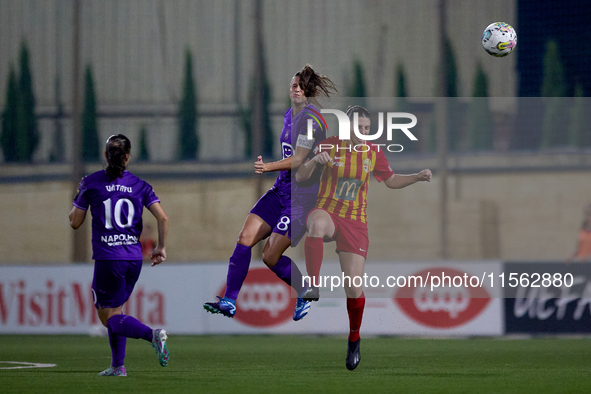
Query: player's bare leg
(104, 314)
(274, 249)
(353, 265)
(320, 224)
(253, 230)
(320, 227)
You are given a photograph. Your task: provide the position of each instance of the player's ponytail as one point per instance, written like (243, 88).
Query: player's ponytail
(118, 147)
(314, 84)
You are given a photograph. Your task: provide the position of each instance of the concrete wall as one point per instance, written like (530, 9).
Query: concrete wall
(521, 214)
(205, 217)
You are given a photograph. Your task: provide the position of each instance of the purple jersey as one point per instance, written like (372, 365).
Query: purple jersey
(116, 206)
(295, 133)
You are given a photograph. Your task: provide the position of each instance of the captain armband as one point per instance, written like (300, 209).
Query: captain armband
(304, 142)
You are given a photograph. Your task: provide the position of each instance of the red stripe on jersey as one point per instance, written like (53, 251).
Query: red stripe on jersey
(363, 197)
(337, 205)
(361, 156)
(351, 173)
(344, 206)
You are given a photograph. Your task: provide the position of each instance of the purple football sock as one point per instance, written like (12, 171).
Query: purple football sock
(289, 272)
(130, 327)
(117, 343)
(237, 270)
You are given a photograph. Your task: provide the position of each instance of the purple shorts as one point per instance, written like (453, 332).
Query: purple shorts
(285, 216)
(114, 281)
(301, 205)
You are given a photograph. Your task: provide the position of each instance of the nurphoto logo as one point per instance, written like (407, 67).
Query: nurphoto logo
(345, 129)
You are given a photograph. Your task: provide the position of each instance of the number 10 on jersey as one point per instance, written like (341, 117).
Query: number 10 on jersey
(109, 214)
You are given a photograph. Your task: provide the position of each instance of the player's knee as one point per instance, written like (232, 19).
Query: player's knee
(353, 292)
(318, 228)
(103, 317)
(270, 258)
(247, 238)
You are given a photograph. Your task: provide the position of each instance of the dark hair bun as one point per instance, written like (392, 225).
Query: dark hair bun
(118, 147)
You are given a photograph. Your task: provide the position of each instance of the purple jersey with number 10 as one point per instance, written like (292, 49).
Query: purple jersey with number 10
(116, 206)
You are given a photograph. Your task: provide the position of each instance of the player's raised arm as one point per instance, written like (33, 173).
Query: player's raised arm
(399, 181)
(284, 164)
(305, 171)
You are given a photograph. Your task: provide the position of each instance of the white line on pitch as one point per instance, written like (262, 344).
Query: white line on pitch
(27, 365)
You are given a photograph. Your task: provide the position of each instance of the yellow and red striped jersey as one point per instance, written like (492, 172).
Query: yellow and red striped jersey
(345, 180)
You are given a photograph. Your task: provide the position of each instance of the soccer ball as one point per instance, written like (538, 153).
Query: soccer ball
(499, 39)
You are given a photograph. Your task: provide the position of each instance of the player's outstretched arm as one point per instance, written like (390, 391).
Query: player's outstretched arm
(305, 171)
(159, 253)
(282, 165)
(77, 217)
(398, 181)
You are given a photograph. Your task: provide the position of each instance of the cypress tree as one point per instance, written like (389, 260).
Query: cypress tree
(358, 84)
(401, 87)
(450, 90)
(480, 121)
(246, 119)
(10, 119)
(553, 83)
(188, 138)
(451, 69)
(578, 130)
(90, 139)
(454, 136)
(28, 135)
(402, 105)
(554, 89)
(57, 154)
(267, 129)
(358, 87)
(143, 155)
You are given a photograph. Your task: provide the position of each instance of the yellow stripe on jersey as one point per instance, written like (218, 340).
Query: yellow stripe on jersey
(344, 182)
(341, 174)
(334, 175)
(352, 174)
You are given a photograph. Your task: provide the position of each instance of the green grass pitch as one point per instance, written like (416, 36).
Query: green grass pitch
(300, 364)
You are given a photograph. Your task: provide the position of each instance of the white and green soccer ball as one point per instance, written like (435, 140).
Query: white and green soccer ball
(499, 39)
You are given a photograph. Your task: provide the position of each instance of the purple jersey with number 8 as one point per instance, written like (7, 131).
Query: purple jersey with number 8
(116, 206)
(294, 134)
